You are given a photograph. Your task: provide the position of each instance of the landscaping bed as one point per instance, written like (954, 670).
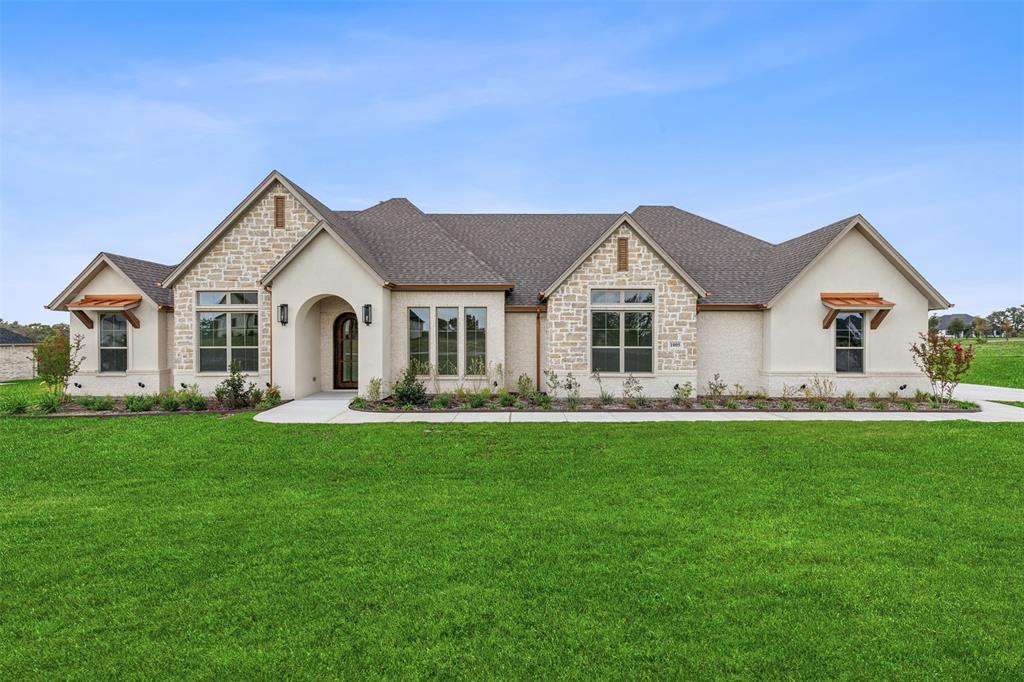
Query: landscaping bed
(512, 402)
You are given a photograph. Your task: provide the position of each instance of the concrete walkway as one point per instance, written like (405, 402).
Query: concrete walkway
(332, 408)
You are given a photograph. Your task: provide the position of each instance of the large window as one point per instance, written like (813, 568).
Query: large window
(419, 338)
(448, 341)
(476, 341)
(229, 332)
(622, 330)
(850, 342)
(113, 342)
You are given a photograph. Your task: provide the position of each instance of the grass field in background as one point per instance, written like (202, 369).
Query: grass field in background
(206, 546)
(1000, 362)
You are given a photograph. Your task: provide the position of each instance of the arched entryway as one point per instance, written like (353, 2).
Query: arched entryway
(346, 351)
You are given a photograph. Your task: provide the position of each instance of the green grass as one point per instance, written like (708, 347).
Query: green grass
(202, 546)
(1012, 403)
(1000, 362)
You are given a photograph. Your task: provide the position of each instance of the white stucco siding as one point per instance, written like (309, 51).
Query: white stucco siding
(325, 269)
(521, 346)
(147, 357)
(797, 347)
(729, 343)
(493, 301)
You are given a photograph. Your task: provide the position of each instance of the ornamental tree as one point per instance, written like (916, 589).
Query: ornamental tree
(57, 360)
(943, 361)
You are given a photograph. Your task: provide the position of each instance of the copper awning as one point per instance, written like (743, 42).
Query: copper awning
(837, 301)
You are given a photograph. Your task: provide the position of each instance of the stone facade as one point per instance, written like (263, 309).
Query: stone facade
(237, 261)
(567, 332)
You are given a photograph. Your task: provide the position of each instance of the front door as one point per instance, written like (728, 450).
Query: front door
(346, 351)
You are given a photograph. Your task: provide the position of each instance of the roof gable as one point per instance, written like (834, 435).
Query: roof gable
(144, 274)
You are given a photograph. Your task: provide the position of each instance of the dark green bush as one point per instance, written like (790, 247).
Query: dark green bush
(409, 390)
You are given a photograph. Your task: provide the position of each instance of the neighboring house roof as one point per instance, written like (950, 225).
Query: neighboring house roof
(13, 338)
(527, 253)
(144, 274)
(945, 320)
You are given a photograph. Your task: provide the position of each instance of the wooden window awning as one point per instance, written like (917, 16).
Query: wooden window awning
(838, 301)
(119, 302)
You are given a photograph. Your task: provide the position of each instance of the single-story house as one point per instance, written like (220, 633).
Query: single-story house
(17, 360)
(314, 299)
(946, 320)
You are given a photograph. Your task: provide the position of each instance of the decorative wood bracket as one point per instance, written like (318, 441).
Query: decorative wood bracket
(132, 319)
(84, 318)
(829, 318)
(879, 315)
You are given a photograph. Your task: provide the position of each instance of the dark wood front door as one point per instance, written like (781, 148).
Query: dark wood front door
(346, 351)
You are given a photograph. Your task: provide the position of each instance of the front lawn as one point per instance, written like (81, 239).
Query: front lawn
(1000, 362)
(215, 547)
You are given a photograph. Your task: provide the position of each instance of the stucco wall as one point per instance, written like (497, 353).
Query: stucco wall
(16, 363)
(494, 301)
(675, 326)
(324, 269)
(729, 343)
(147, 361)
(797, 347)
(521, 346)
(236, 262)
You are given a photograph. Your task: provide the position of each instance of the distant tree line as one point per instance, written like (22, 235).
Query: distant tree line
(37, 331)
(1008, 322)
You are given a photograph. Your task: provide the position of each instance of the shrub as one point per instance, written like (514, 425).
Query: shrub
(409, 390)
(787, 404)
(192, 399)
(873, 395)
(572, 389)
(49, 402)
(485, 393)
(169, 401)
(58, 358)
(790, 392)
(849, 401)
(894, 396)
(573, 404)
(731, 404)
(738, 390)
(761, 394)
(271, 397)
(96, 403)
(524, 385)
(374, 389)
(507, 399)
(232, 392)
(633, 390)
(441, 401)
(879, 404)
(761, 404)
(552, 381)
(358, 403)
(477, 400)
(460, 394)
(909, 405)
(820, 388)
(943, 361)
(255, 396)
(920, 396)
(716, 387)
(820, 405)
(139, 403)
(542, 400)
(682, 395)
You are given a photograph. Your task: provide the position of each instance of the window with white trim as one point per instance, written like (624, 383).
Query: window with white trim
(622, 330)
(448, 341)
(113, 342)
(850, 342)
(228, 330)
(419, 339)
(476, 341)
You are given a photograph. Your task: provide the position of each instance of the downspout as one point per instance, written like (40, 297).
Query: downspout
(270, 297)
(537, 352)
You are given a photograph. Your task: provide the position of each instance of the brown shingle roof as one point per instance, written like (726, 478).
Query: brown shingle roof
(147, 276)
(12, 338)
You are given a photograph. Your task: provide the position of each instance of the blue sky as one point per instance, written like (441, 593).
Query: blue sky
(135, 128)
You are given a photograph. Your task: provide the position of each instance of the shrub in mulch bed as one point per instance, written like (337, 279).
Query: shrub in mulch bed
(511, 402)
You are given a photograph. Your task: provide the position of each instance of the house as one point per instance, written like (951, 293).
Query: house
(16, 356)
(314, 299)
(946, 320)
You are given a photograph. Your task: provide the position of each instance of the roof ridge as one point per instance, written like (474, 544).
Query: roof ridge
(707, 220)
(844, 221)
(140, 260)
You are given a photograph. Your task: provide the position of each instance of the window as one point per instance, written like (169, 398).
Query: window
(419, 338)
(617, 296)
(448, 341)
(113, 343)
(476, 341)
(622, 337)
(850, 342)
(231, 335)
